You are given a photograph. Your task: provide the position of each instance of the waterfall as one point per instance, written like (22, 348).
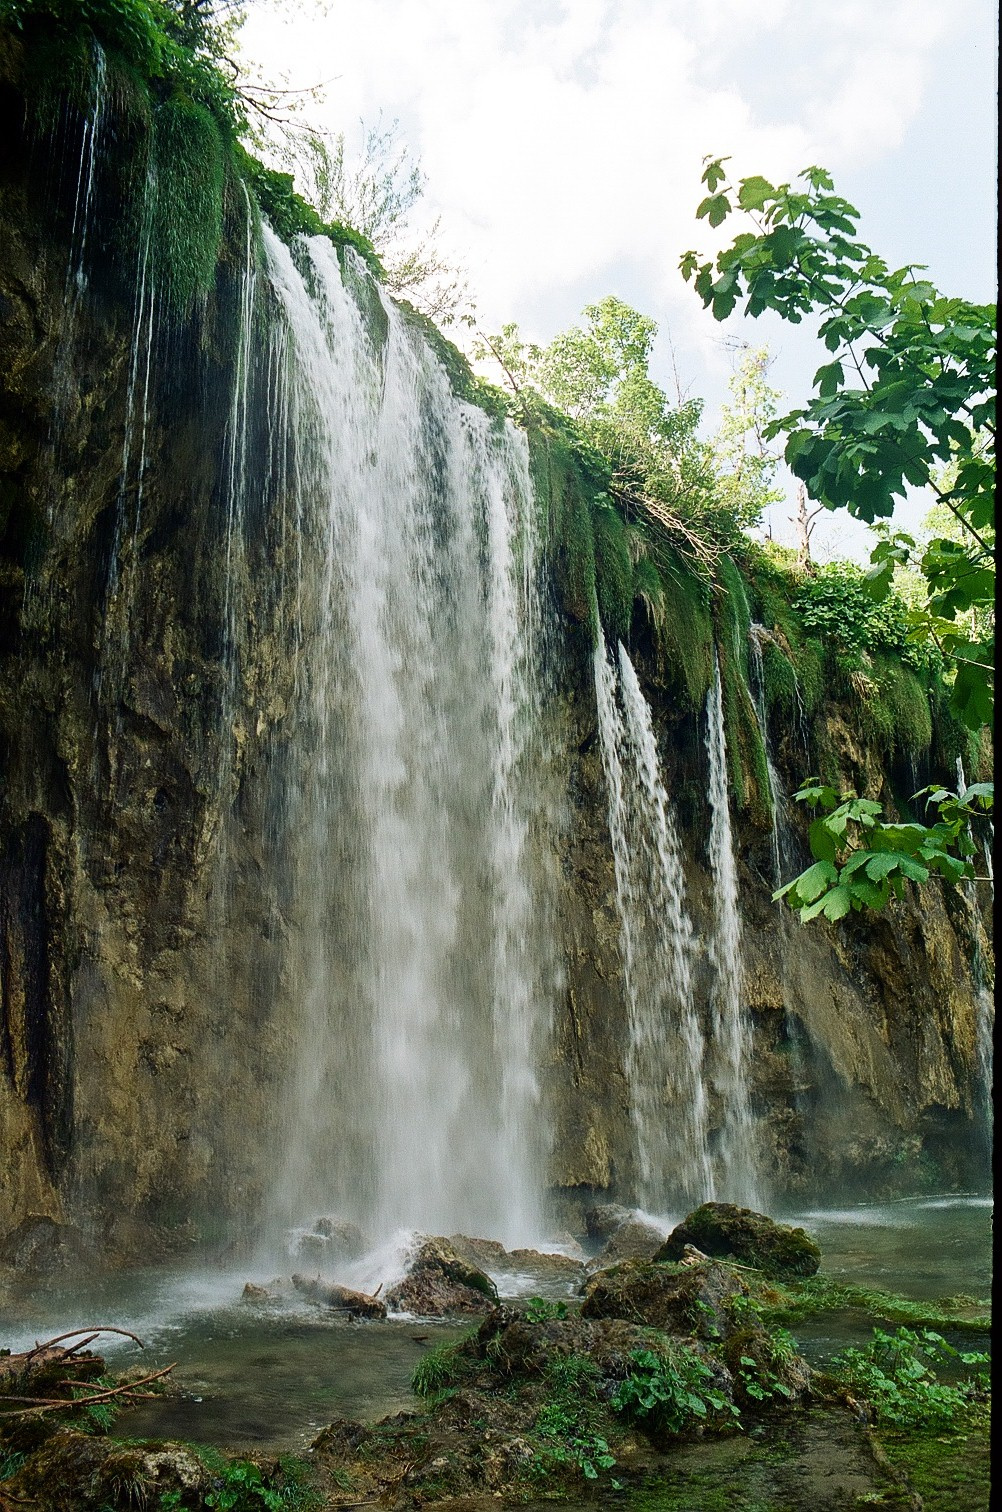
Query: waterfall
(984, 996)
(731, 1046)
(664, 1063)
(780, 838)
(417, 963)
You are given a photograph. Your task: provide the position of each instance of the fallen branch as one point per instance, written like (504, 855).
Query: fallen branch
(48, 1404)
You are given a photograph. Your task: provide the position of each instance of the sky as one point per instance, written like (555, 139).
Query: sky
(563, 143)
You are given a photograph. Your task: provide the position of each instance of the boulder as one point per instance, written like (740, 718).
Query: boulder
(40, 1246)
(694, 1302)
(554, 1267)
(331, 1240)
(485, 1254)
(341, 1298)
(439, 1282)
(255, 1293)
(632, 1240)
(602, 1220)
(345, 1239)
(735, 1233)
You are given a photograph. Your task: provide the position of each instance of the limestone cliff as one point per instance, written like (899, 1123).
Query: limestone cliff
(146, 671)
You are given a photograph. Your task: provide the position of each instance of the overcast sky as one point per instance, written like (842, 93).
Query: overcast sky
(563, 143)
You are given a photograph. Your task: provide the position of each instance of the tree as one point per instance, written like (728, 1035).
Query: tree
(746, 463)
(906, 400)
(376, 190)
(908, 392)
(598, 374)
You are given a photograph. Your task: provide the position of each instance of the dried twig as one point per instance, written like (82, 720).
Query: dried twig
(47, 1404)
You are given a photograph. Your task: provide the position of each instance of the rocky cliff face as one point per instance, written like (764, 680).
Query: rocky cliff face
(865, 1074)
(144, 907)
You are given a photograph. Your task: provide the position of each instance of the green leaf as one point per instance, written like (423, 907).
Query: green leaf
(754, 193)
(716, 208)
(837, 903)
(815, 880)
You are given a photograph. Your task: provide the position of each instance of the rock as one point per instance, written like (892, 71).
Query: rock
(485, 1254)
(255, 1293)
(357, 1304)
(633, 1240)
(690, 1302)
(488, 1254)
(565, 1241)
(40, 1245)
(440, 1282)
(727, 1232)
(538, 1262)
(345, 1239)
(602, 1220)
(707, 1302)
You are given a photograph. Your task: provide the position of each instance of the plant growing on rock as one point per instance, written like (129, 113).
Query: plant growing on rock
(667, 1392)
(895, 1373)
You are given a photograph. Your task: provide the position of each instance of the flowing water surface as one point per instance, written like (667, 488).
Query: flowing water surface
(270, 1375)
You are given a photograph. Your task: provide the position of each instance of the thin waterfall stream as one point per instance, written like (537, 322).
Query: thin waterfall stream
(664, 1063)
(731, 1046)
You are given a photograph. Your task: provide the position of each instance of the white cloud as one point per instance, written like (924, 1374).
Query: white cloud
(563, 139)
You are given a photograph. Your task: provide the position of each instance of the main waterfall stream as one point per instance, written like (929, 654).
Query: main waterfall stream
(417, 968)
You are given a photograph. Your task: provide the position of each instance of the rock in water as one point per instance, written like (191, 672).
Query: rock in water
(736, 1233)
(357, 1304)
(691, 1303)
(632, 1240)
(439, 1282)
(602, 1220)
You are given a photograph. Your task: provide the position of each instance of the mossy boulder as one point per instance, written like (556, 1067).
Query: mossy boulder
(692, 1300)
(727, 1232)
(439, 1282)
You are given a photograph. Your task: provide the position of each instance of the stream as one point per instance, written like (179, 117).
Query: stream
(266, 1376)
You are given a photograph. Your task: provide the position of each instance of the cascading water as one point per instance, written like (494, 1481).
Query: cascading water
(417, 958)
(731, 1044)
(780, 838)
(664, 1063)
(984, 997)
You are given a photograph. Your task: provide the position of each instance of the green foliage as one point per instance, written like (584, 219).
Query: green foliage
(922, 413)
(669, 1391)
(241, 1487)
(895, 1374)
(441, 1367)
(539, 1310)
(746, 465)
(566, 1423)
(597, 374)
(862, 860)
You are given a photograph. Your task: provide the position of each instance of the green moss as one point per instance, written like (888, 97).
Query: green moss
(906, 701)
(613, 570)
(747, 764)
(685, 628)
(189, 171)
(948, 1469)
(793, 1301)
(780, 680)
